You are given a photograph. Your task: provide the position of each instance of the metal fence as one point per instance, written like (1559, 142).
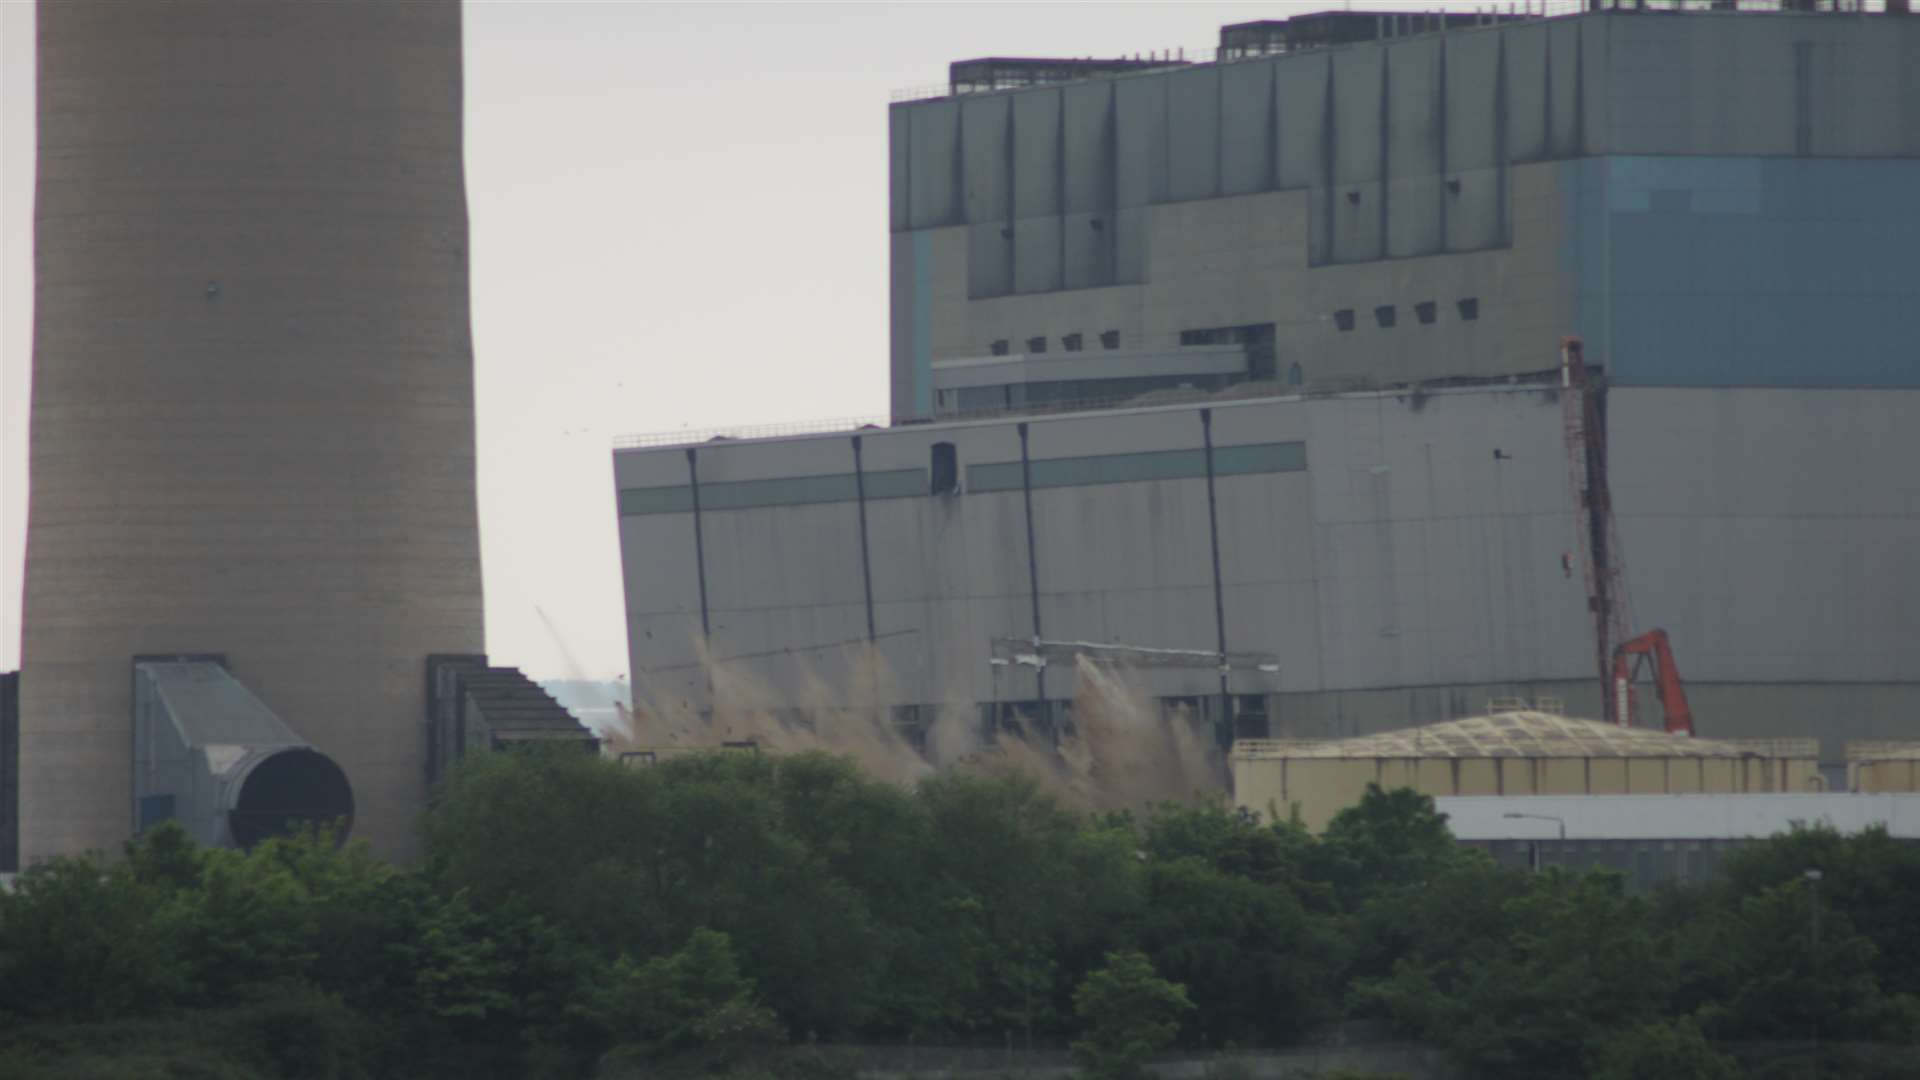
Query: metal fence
(1514, 9)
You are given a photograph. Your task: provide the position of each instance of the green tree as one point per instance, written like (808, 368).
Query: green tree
(1388, 840)
(694, 1001)
(78, 942)
(1127, 1013)
(1258, 966)
(1662, 1051)
(1868, 878)
(1779, 984)
(1577, 963)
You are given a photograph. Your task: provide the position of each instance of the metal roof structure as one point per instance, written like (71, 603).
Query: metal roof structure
(1528, 734)
(1863, 751)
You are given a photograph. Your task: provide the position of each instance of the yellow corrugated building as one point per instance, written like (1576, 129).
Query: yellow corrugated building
(1521, 752)
(1878, 767)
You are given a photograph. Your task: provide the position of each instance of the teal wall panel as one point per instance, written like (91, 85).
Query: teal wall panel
(1747, 271)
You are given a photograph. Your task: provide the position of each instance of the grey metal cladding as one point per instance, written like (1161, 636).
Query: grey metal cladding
(1036, 246)
(1088, 137)
(898, 151)
(1472, 124)
(1087, 246)
(1570, 85)
(1476, 213)
(984, 128)
(1193, 134)
(900, 322)
(932, 194)
(1036, 154)
(1413, 157)
(1300, 106)
(1140, 138)
(1246, 128)
(1414, 90)
(1529, 91)
(989, 259)
(1358, 80)
(1130, 245)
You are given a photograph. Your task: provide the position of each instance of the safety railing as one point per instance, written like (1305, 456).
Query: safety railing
(691, 436)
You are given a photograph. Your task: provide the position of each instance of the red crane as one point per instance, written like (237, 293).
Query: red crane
(1654, 648)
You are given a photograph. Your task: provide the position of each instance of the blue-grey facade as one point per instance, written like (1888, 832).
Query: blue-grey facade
(1710, 199)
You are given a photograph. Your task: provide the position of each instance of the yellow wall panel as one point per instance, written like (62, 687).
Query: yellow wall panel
(1607, 776)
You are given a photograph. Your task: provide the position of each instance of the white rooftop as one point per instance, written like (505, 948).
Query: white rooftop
(1673, 817)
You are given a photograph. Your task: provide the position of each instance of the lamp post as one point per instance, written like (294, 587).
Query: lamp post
(1813, 948)
(1535, 849)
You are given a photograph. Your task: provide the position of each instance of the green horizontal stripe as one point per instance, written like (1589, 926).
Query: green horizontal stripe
(788, 491)
(1130, 468)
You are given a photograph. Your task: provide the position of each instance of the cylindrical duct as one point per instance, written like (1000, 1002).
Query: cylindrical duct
(253, 427)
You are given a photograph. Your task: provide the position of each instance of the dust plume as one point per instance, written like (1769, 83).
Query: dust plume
(1111, 748)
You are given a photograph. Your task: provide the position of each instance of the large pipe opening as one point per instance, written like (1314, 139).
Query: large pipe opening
(289, 791)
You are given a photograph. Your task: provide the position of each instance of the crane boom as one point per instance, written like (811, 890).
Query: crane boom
(1651, 647)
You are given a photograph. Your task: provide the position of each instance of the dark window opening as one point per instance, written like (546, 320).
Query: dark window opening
(1000, 348)
(1294, 375)
(1188, 710)
(1036, 345)
(1255, 338)
(1110, 339)
(1250, 716)
(1343, 319)
(1426, 311)
(944, 469)
(1469, 309)
(1385, 316)
(1071, 343)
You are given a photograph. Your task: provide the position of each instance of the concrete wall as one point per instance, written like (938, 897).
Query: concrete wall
(252, 429)
(1679, 190)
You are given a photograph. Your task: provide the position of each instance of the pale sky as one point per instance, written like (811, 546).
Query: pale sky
(679, 219)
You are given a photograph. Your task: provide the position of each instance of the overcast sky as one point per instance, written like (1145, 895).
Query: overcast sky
(679, 219)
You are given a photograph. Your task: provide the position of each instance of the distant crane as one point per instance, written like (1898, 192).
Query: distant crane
(1583, 401)
(1653, 648)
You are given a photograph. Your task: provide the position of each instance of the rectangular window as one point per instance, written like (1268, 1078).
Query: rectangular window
(1071, 343)
(1036, 345)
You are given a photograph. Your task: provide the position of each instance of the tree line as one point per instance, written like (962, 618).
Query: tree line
(731, 913)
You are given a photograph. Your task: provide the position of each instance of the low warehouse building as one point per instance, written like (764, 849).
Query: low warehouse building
(1511, 753)
(1883, 767)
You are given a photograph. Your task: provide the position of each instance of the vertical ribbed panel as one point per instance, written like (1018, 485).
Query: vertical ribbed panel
(253, 427)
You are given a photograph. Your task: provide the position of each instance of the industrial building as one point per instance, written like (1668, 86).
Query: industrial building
(1247, 372)
(1521, 752)
(252, 517)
